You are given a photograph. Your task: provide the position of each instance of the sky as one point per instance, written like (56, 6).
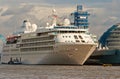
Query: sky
(56, 2)
(104, 13)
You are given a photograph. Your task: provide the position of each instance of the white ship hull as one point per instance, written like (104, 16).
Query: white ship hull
(75, 54)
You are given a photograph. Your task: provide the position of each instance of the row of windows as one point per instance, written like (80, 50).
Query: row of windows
(82, 14)
(66, 36)
(37, 39)
(39, 34)
(34, 35)
(71, 32)
(115, 37)
(114, 47)
(115, 33)
(36, 49)
(46, 33)
(80, 41)
(113, 44)
(114, 41)
(111, 39)
(68, 41)
(83, 23)
(42, 34)
(6, 50)
(7, 46)
(77, 41)
(38, 44)
(78, 37)
(117, 29)
(10, 54)
(10, 50)
(83, 20)
(14, 50)
(65, 27)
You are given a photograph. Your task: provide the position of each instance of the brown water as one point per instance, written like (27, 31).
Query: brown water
(58, 72)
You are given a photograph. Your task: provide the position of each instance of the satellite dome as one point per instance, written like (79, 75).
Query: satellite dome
(66, 22)
(34, 27)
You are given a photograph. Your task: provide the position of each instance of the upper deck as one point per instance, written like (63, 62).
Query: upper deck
(62, 28)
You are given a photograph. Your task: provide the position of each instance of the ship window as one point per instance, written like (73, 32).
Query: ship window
(38, 34)
(76, 31)
(83, 41)
(77, 41)
(80, 37)
(75, 36)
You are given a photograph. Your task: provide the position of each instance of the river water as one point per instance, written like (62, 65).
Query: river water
(58, 72)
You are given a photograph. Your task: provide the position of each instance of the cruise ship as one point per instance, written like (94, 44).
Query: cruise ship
(109, 48)
(53, 44)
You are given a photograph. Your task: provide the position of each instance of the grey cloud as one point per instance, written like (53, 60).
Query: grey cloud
(102, 14)
(17, 10)
(15, 22)
(9, 23)
(17, 2)
(54, 2)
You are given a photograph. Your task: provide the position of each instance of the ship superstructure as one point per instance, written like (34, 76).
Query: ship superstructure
(81, 17)
(53, 44)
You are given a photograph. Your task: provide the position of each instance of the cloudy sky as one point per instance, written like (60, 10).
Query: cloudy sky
(104, 13)
(55, 2)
